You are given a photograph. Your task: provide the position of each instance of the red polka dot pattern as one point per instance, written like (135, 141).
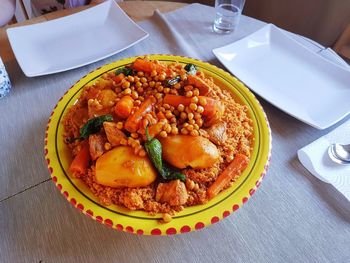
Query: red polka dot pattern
(109, 222)
(129, 229)
(185, 229)
(199, 225)
(225, 214)
(171, 231)
(215, 219)
(156, 232)
(235, 207)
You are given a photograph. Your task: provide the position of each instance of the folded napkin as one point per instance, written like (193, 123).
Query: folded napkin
(315, 158)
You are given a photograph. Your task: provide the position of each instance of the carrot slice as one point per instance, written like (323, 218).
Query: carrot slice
(147, 66)
(119, 78)
(81, 160)
(236, 167)
(123, 107)
(134, 120)
(199, 84)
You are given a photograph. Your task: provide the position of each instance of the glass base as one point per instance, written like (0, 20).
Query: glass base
(222, 30)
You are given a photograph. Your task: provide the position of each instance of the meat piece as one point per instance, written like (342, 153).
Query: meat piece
(96, 143)
(174, 193)
(114, 135)
(217, 133)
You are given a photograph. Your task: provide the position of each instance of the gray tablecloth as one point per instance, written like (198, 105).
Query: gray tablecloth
(293, 217)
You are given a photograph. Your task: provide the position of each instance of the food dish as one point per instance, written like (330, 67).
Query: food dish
(190, 218)
(290, 76)
(70, 42)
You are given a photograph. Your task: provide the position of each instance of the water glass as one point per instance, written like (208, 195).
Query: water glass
(228, 13)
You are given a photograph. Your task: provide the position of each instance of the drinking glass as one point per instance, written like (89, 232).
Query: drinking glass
(228, 13)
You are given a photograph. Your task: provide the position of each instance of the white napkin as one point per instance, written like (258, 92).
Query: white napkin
(315, 158)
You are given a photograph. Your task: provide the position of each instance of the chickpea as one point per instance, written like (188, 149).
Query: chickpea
(200, 109)
(173, 119)
(123, 142)
(167, 128)
(134, 95)
(138, 84)
(189, 93)
(167, 218)
(190, 116)
(120, 125)
(193, 106)
(196, 92)
(158, 84)
(197, 115)
(139, 90)
(163, 134)
(202, 101)
(174, 92)
(152, 84)
(166, 90)
(162, 77)
(140, 73)
(194, 133)
(160, 88)
(127, 91)
(183, 115)
(131, 79)
(143, 80)
(177, 86)
(194, 99)
(180, 107)
(168, 114)
(174, 130)
(184, 131)
(126, 84)
(153, 73)
(192, 121)
(159, 96)
(189, 127)
(107, 146)
(199, 122)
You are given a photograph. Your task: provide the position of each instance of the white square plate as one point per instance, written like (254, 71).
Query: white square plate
(289, 76)
(75, 40)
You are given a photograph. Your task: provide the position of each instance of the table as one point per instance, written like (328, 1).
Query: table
(293, 217)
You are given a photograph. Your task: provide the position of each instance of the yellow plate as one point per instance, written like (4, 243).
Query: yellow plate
(192, 218)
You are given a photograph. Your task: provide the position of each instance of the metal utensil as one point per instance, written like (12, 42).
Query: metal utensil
(339, 153)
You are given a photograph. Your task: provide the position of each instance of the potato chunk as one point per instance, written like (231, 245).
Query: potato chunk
(120, 167)
(182, 151)
(174, 193)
